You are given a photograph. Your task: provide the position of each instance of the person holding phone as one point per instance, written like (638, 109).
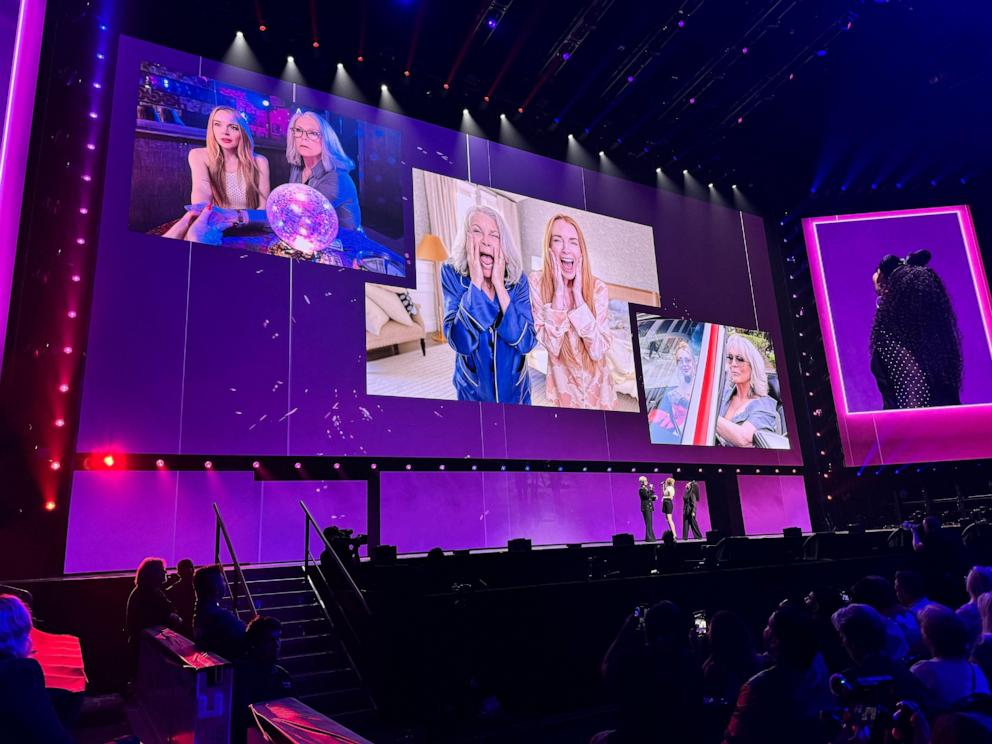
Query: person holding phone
(648, 497)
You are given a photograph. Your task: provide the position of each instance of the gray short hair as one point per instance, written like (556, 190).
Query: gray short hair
(459, 251)
(755, 359)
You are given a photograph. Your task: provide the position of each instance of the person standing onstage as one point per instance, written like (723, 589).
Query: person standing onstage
(668, 504)
(648, 497)
(689, 500)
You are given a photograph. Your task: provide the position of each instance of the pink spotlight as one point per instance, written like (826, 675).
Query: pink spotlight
(160, 463)
(66, 349)
(76, 278)
(80, 241)
(209, 465)
(63, 388)
(55, 465)
(256, 464)
(298, 465)
(59, 422)
(337, 466)
(87, 178)
(84, 210)
(90, 146)
(441, 466)
(49, 506)
(93, 114)
(374, 466)
(71, 314)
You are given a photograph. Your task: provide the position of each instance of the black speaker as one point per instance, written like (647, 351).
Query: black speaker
(713, 536)
(519, 545)
(384, 554)
(623, 540)
(794, 533)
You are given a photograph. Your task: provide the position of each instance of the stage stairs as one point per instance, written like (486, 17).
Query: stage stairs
(323, 673)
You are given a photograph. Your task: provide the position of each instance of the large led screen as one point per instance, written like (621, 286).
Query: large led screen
(533, 299)
(499, 324)
(710, 385)
(904, 306)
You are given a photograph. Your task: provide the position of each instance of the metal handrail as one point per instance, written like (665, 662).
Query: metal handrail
(337, 559)
(219, 529)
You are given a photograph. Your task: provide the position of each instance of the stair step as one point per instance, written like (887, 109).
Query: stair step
(334, 702)
(309, 644)
(318, 661)
(272, 572)
(330, 680)
(296, 612)
(271, 586)
(303, 628)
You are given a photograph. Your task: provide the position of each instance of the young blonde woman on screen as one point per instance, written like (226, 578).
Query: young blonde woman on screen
(571, 319)
(230, 181)
(668, 504)
(487, 315)
(317, 159)
(746, 407)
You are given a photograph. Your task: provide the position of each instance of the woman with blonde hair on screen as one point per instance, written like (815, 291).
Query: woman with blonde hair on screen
(229, 179)
(571, 319)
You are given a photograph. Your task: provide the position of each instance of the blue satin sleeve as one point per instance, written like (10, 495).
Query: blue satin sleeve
(516, 328)
(467, 311)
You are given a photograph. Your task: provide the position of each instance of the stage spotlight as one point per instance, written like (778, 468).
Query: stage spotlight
(239, 35)
(685, 171)
(384, 88)
(263, 28)
(59, 422)
(337, 466)
(520, 110)
(160, 463)
(733, 185)
(340, 66)
(71, 314)
(409, 466)
(406, 73)
(486, 99)
(290, 59)
(50, 506)
(360, 58)
(710, 185)
(208, 465)
(441, 466)
(108, 460)
(63, 388)
(446, 86)
(66, 349)
(601, 153)
(571, 136)
(465, 111)
(316, 45)
(657, 170)
(298, 465)
(256, 464)
(55, 465)
(374, 466)
(502, 116)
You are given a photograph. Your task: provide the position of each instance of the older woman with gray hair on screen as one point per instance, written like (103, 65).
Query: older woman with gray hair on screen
(746, 408)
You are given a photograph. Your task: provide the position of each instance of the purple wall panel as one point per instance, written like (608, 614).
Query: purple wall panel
(342, 503)
(236, 391)
(770, 503)
(239, 497)
(119, 517)
(484, 511)
(420, 511)
(134, 358)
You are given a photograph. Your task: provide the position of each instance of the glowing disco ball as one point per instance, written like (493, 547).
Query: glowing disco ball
(302, 217)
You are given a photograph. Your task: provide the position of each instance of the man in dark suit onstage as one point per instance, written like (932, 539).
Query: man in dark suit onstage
(689, 500)
(648, 498)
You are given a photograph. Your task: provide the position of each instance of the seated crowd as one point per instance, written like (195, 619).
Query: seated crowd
(880, 664)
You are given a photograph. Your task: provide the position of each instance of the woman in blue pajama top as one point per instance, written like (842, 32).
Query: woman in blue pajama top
(487, 315)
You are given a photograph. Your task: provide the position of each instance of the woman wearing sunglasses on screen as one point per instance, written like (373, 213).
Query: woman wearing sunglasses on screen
(487, 316)
(747, 408)
(230, 181)
(915, 341)
(571, 318)
(317, 159)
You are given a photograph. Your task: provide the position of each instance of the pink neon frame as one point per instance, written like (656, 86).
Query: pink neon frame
(917, 435)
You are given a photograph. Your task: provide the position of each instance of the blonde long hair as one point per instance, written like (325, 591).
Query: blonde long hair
(548, 284)
(247, 167)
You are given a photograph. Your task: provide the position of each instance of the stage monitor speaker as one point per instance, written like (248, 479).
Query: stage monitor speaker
(794, 533)
(713, 536)
(623, 540)
(384, 554)
(519, 545)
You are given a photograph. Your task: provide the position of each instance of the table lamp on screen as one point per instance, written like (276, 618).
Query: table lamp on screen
(431, 248)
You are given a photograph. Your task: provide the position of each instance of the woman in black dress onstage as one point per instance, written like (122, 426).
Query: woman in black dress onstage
(668, 504)
(915, 341)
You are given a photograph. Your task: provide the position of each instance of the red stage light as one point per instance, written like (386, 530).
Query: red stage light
(520, 110)
(55, 465)
(316, 44)
(66, 349)
(160, 463)
(486, 99)
(49, 506)
(108, 460)
(63, 388)
(60, 422)
(406, 73)
(446, 86)
(262, 27)
(71, 314)
(361, 58)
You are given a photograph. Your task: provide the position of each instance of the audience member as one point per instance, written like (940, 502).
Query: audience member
(27, 715)
(182, 594)
(822, 603)
(658, 684)
(911, 591)
(862, 631)
(215, 628)
(941, 559)
(979, 582)
(257, 676)
(732, 660)
(147, 606)
(982, 653)
(879, 593)
(783, 703)
(949, 676)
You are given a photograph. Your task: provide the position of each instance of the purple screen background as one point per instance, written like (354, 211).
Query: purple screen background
(196, 350)
(851, 251)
